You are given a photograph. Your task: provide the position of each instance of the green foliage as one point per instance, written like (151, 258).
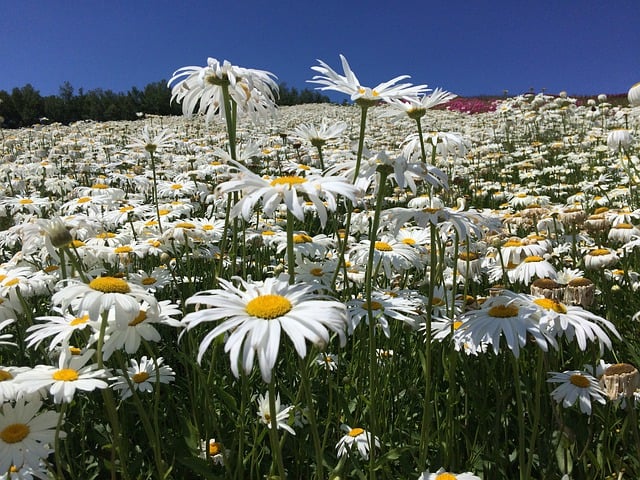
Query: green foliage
(291, 96)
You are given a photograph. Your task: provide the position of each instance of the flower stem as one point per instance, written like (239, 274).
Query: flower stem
(276, 452)
(291, 254)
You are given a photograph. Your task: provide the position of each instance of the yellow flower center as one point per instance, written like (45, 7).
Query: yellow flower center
(214, 448)
(140, 377)
(619, 369)
(176, 186)
(269, 306)
(65, 375)
(302, 238)
(12, 282)
(445, 476)
(457, 324)
(599, 252)
(503, 311)
(110, 285)
(4, 375)
(79, 320)
(123, 249)
(185, 225)
(77, 243)
(533, 259)
(126, 208)
(383, 247)
(83, 200)
(408, 241)
(624, 226)
(354, 432)
(100, 186)
(50, 268)
(290, 180)
(579, 380)
(141, 317)
(14, 433)
(437, 302)
(316, 272)
(25, 201)
(208, 227)
(148, 281)
(373, 304)
(512, 243)
(468, 256)
(550, 304)
(105, 235)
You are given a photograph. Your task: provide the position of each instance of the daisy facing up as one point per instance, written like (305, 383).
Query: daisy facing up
(26, 435)
(256, 313)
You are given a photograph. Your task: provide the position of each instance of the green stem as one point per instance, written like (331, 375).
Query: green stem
(521, 431)
(154, 187)
(368, 285)
(291, 254)
(304, 368)
(276, 452)
(363, 123)
(536, 412)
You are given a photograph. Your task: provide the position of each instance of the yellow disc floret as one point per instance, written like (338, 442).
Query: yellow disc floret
(269, 306)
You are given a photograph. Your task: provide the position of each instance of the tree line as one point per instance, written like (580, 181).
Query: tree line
(25, 106)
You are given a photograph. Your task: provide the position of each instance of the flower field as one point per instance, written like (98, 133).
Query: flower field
(382, 290)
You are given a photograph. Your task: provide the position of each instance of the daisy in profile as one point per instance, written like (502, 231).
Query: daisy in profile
(442, 474)
(60, 327)
(255, 314)
(384, 306)
(574, 322)
(507, 315)
(356, 437)
(62, 381)
(25, 434)
(142, 376)
(201, 88)
(282, 413)
(288, 190)
(349, 84)
(327, 360)
(532, 267)
(149, 141)
(576, 386)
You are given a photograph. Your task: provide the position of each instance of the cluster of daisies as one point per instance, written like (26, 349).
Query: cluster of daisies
(478, 232)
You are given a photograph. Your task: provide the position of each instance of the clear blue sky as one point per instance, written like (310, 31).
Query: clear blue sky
(467, 47)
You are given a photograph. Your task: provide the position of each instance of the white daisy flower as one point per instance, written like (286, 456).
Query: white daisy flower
(576, 386)
(282, 413)
(358, 437)
(256, 314)
(60, 327)
(142, 376)
(25, 434)
(442, 474)
(63, 381)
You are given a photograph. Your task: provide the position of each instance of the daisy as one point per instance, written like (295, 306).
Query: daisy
(63, 381)
(349, 84)
(150, 142)
(389, 253)
(25, 434)
(9, 390)
(416, 107)
(599, 258)
(572, 322)
(531, 267)
(576, 386)
(142, 376)
(290, 191)
(318, 136)
(201, 88)
(255, 314)
(327, 360)
(60, 327)
(214, 450)
(507, 315)
(384, 306)
(5, 337)
(359, 438)
(103, 294)
(282, 413)
(442, 474)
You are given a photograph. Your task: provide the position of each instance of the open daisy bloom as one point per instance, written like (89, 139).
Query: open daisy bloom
(255, 314)
(442, 474)
(507, 315)
(576, 386)
(25, 434)
(359, 438)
